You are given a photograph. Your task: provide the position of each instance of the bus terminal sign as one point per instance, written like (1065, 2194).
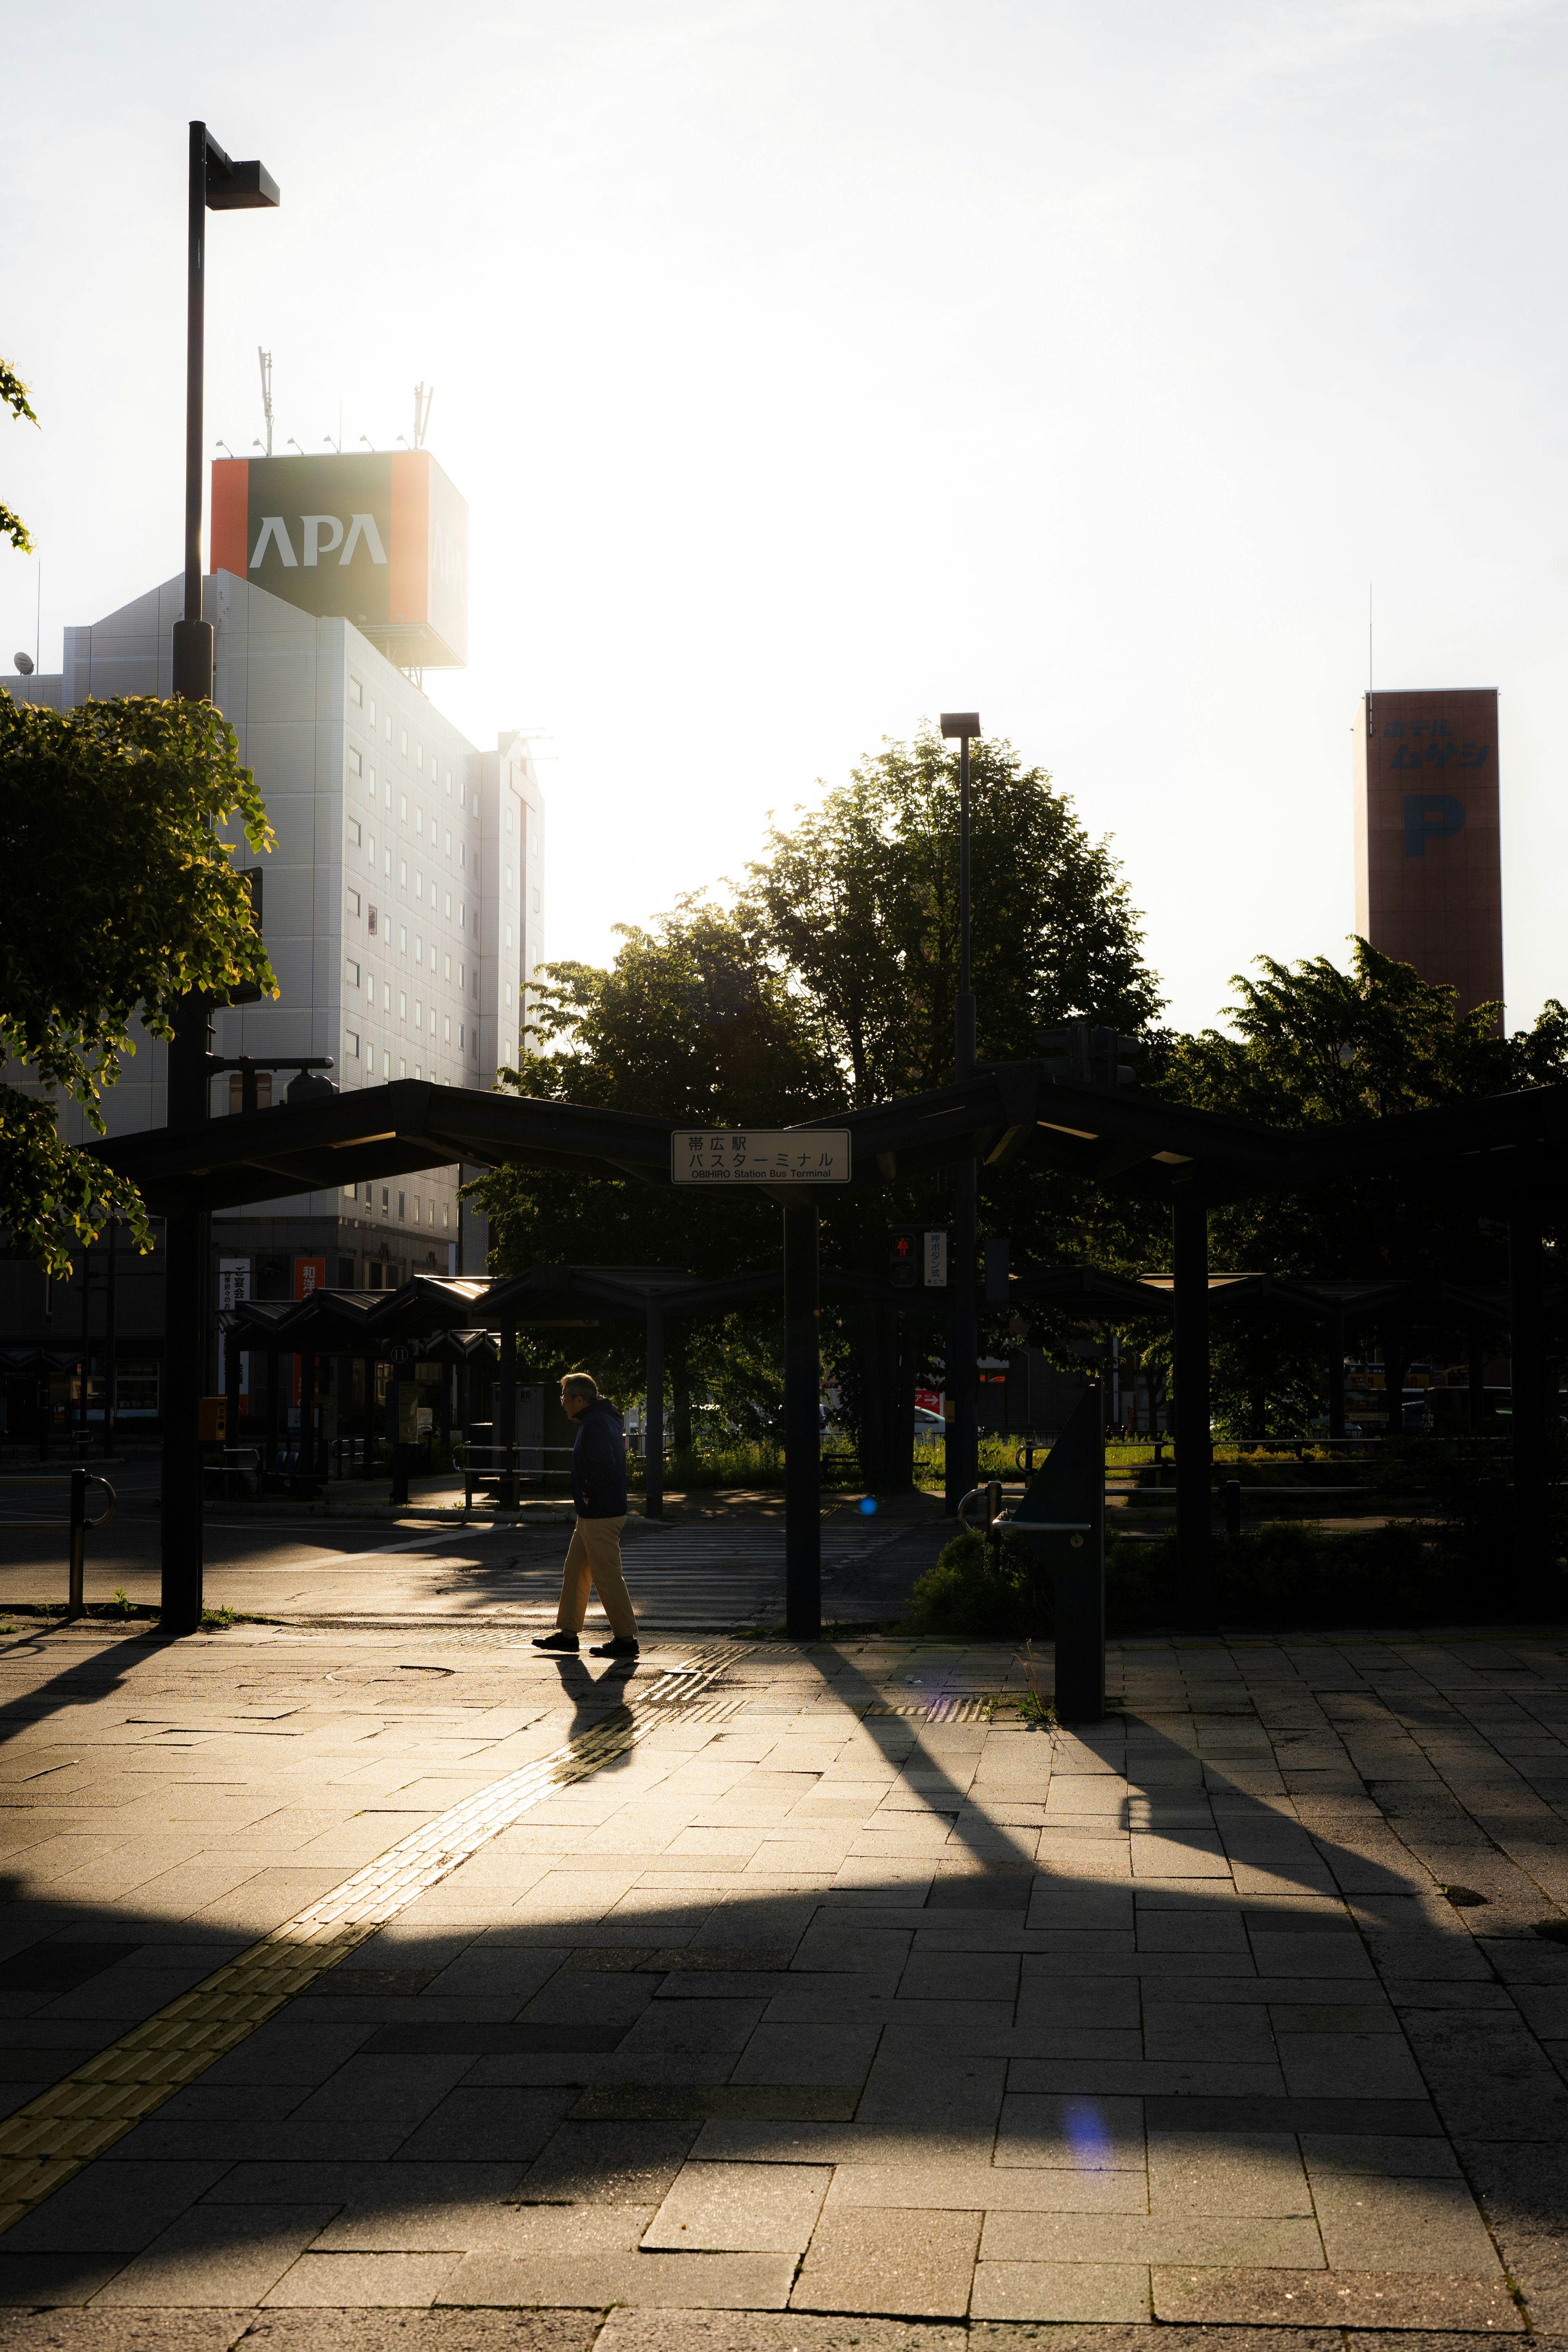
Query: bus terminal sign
(728, 1155)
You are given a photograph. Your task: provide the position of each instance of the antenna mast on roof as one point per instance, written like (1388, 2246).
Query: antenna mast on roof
(265, 360)
(421, 400)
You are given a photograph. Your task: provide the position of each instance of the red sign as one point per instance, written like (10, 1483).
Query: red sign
(310, 1274)
(928, 1400)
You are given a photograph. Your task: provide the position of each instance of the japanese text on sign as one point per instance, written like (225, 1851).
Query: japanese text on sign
(704, 1155)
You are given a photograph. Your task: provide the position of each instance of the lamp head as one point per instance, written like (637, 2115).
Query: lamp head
(960, 722)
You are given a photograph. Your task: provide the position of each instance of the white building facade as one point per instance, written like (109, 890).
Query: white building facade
(402, 908)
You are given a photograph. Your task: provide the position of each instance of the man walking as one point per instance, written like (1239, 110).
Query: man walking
(593, 1554)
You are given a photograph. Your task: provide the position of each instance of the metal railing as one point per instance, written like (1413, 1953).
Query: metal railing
(78, 1480)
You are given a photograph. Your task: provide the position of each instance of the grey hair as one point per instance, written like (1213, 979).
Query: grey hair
(581, 1384)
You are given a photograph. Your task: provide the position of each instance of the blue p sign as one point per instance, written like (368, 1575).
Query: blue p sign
(1430, 816)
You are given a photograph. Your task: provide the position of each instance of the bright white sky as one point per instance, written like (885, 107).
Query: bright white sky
(813, 365)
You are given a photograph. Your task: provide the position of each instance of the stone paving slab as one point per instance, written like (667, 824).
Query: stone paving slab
(816, 2024)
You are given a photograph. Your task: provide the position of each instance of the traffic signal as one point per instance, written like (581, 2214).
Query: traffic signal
(917, 1257)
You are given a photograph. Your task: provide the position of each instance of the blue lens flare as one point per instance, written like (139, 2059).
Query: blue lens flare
(869, 1505)
(1087, 2135)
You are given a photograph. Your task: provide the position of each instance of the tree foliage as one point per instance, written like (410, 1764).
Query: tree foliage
(116, 900)
(1310, 1045)
(14, 396)
(830, 983)
(858, 903)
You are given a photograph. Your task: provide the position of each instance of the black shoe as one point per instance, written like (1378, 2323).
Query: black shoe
(623, 1646)
(559, 1640)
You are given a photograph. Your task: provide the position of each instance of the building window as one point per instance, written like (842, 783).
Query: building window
(385, 1200)
(370, 782)
(432, 1021)
(462, 915)
(446, 967)
(351, 1192)
(449, 779)
(448, 844)
(509, 881)
(402, 1006)
(462, 855)
(350, 1045)
(417, 1073)
(389, 725)
(534, 901)
(509, 935)
(386, 860)
(356, 763)
(402, 873)
(352, 900)
(419, 824)
(403, 939)
(448, 905)
(418, 949)
(534, 845)
(446, 1212)
(356, 833)
(419, 1015)
(385, 995)
(459, 976)
(462, 1037)
(402, 1212)
(403, 746)
(419, 764)
(509, 820)
(386, 789)
(370, 713)
(386, 1073)
(447, 1030)
(354, 973)
(403, 1073)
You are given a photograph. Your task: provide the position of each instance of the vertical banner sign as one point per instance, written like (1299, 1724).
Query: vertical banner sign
(233, 1290)
(935, 1261)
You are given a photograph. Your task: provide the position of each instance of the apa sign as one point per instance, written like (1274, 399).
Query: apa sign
(381, 540)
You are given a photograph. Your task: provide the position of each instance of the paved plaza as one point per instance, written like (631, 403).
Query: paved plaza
(767, 1998)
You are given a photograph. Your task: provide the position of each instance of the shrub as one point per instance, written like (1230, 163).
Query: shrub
(1285, 1572)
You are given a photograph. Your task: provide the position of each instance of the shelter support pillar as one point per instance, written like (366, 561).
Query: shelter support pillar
(903, 1464)
(873, 1402)
(1527, 1352)
(231, 1364)
(184, 1245)
(1337, 1376)
(962, 1380)
(308, 1449)
(803, 1446)
(369, 1423)
(1476, 1375)
(506, 1419)
(1194, 1505)
(653, 1418)
(274, 1406)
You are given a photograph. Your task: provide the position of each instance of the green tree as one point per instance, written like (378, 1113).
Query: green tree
(1310, 1045)
(14, 396)
(830, 983)
(116, 900)
(858, 902)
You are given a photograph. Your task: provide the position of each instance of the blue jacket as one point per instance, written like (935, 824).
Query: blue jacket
(599, 1463)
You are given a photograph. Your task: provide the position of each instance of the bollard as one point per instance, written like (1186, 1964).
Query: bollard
(76, 1606)
(1233, 1506)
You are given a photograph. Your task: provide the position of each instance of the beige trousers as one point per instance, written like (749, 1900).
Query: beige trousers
(593, 1556)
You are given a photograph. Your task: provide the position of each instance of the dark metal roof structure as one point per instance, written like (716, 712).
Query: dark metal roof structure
(1497, 1147)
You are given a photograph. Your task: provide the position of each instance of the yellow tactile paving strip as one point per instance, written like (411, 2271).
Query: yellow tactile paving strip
(45, 2143)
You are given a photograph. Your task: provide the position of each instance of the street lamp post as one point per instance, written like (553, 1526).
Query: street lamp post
(964, 1348)
(216, 185)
